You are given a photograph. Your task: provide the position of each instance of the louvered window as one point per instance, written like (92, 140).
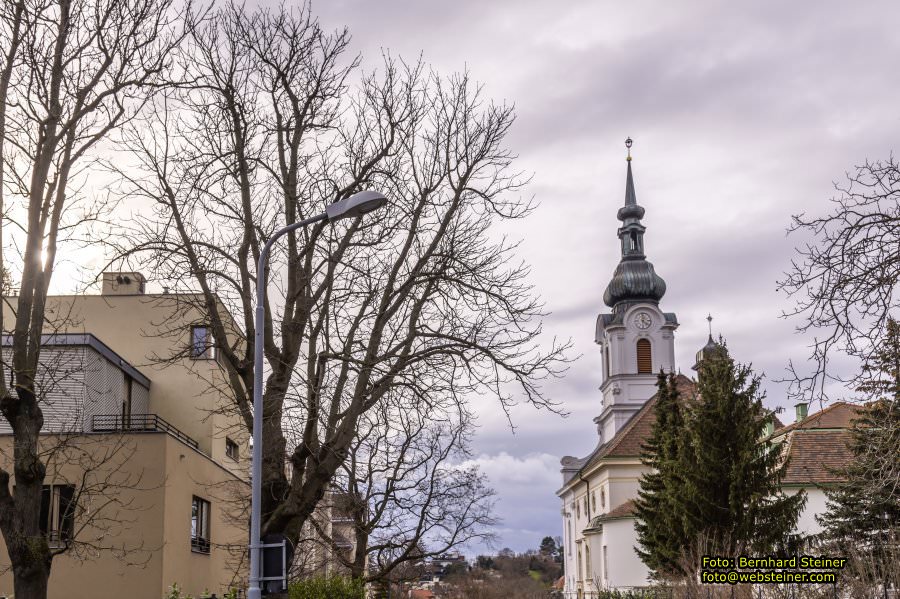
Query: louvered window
(644, 363)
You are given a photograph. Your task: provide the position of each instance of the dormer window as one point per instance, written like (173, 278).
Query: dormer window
(644, 359)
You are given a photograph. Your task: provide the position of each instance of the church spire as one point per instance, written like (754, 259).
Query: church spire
(634, 279)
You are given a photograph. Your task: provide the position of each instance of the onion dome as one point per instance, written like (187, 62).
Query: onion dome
(634, 279)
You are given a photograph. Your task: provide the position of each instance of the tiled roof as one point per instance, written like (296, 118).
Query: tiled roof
(838, 415)
(813, 454)
(626, 510)
(629, 441)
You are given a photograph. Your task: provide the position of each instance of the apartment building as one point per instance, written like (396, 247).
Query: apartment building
(147, 465)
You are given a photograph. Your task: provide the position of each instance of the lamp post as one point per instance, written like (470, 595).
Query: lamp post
(356, 205)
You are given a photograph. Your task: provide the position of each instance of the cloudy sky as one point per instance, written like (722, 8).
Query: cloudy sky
(742, 114)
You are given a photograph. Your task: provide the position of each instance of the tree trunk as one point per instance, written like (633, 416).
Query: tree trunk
(30, 582)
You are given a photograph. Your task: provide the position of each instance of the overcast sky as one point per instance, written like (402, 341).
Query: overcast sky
(742, 114)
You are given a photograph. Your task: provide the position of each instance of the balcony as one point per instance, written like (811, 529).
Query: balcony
(138, 423)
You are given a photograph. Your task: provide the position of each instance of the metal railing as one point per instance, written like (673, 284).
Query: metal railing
(138, 423)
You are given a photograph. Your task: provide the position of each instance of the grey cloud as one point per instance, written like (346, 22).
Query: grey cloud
(743, 114)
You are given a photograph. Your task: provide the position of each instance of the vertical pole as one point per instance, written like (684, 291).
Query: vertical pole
(255, 592)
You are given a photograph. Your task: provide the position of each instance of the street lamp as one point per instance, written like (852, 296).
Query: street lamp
(356, 205)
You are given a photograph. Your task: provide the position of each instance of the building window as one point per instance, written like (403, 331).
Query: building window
(606, 360)
(569, 524)
(587, 562)
(577, 509)
(605, 564)
(644, 362)
(231, 449)
(57, 520)
(594, 501)
(202, 347)
(602, 498)
(200, 525)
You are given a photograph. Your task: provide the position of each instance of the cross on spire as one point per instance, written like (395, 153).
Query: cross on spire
(709, 319)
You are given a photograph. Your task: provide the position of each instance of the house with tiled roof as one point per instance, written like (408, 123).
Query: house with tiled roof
(636, 340)
(816, 446)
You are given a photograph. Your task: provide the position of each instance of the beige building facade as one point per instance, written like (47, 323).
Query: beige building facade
(147, 463)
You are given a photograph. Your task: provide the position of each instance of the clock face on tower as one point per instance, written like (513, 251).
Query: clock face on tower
(643, 321)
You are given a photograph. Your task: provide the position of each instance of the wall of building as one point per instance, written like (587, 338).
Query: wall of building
(156, 477)
(625, 567)
(153, 334)
(815, 505)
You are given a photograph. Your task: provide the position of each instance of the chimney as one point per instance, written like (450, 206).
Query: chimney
(123, 283)
(802, 411)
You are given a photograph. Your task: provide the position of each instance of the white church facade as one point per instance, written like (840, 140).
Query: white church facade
(637, 340)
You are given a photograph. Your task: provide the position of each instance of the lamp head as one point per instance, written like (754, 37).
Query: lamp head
(356, 205)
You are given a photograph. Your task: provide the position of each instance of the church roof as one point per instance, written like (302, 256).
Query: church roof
(625, 510)
(628, 442)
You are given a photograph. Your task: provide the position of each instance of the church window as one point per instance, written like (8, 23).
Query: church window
(577, 509)
(606, 360)
(569, 523)
(587, 562)
(594, 501)
(602, 498)
(580, 566)
(644, 362)
(634, 242)
(605, 564)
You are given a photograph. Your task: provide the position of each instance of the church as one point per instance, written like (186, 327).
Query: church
(637, 340)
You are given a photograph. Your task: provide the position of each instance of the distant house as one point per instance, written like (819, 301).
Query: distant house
(421, 594)
(815, 446)
(437, 568)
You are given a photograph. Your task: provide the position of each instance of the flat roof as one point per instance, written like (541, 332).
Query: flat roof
(88, 340)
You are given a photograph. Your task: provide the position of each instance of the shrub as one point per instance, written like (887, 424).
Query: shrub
(334, 587)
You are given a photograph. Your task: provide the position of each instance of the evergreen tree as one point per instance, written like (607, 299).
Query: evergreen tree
(730, 498)
(658, 526)
(863, 512)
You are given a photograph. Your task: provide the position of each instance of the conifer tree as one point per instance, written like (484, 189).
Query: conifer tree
(658, 525)
(863, 512)
(730, 499)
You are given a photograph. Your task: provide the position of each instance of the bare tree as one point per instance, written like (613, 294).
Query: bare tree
(425, 296)
(407, 491)
(72, 72)
(845, 277)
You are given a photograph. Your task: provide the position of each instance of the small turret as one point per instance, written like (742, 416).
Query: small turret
(712, 348)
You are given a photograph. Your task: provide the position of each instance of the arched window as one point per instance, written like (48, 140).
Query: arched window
(587, 562)
(602, 499)
(644, 362)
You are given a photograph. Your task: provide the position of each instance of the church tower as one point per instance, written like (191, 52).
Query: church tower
(636, 338)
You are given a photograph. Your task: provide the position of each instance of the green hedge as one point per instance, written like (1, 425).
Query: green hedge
(334, 587)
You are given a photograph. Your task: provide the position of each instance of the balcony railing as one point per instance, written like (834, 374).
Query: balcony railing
(138, 423)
